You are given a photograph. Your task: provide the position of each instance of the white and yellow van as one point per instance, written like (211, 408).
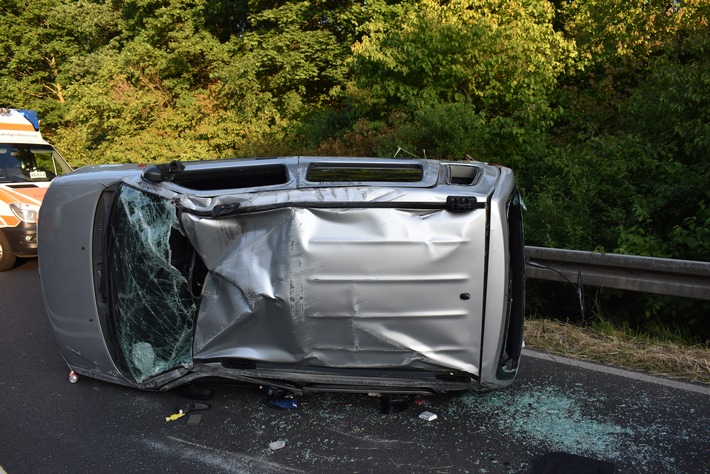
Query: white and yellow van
(27, 164)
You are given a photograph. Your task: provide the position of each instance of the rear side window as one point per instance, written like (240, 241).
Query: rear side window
(348, 173)
(232, 178)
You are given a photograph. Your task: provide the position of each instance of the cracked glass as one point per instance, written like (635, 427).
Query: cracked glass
(153, 307)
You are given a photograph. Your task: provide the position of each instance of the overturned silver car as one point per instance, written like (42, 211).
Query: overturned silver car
(303, 273)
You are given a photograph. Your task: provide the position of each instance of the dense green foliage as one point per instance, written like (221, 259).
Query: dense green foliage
(601, 107)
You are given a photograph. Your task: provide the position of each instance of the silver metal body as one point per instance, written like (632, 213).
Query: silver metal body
(306, 273)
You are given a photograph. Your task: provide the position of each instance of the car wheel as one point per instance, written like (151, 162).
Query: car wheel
(7, 257)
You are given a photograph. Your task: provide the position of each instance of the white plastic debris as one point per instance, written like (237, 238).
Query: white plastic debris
(427, 416)
(277, 445)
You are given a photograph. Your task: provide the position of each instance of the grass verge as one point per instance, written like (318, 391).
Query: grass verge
(620, 348)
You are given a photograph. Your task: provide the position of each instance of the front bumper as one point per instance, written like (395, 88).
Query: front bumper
(22, 239)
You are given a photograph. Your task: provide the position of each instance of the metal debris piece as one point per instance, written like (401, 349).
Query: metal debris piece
(194, 420)
(194, 406)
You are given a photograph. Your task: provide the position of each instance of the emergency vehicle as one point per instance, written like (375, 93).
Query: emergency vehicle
(27, 164)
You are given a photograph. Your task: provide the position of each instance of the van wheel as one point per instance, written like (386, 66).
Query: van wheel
(7, 257)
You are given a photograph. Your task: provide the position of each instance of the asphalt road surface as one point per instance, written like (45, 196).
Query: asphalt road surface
(560, 416)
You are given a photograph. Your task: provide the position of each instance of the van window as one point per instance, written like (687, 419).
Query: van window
(23, 163)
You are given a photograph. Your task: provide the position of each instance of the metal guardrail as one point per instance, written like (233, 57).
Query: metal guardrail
(662, 276)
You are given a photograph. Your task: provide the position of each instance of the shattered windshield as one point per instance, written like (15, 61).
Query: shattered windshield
(23, 163)
(149, 266)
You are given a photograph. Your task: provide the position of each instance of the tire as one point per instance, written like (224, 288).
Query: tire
(7, 256)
